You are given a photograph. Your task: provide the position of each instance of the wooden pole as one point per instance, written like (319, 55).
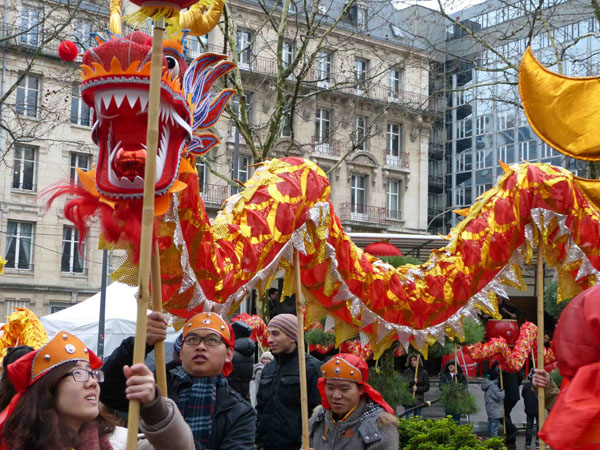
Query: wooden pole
(503, 411)
(139, 349)
(416, 374)
(301, 353)
(540, 334)
(159, 346)
(455, 362)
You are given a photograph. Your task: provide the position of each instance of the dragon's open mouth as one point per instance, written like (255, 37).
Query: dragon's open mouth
(120, 131)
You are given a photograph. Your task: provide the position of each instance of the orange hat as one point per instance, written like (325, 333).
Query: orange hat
(213, 322)
(348, 367)
(29, 368)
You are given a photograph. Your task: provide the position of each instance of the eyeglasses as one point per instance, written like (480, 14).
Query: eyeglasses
(83, 375)
(212, 340)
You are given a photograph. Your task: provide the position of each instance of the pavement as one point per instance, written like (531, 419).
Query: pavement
(479, 419)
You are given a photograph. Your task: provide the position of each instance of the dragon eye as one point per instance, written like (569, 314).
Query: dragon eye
(173, 65)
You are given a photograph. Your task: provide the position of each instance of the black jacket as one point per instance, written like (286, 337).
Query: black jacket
(233, 420)
(243, 359)
(422, 381)
(530, 399)
(279, 420)
(446, 377)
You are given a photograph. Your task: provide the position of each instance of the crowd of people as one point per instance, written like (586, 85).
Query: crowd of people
(63, 396)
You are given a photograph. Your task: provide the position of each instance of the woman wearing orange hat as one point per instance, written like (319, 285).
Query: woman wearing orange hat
(353, 415)
(57, 404)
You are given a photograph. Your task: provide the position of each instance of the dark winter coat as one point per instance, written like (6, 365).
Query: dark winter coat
(511, 382)
(493, 399)
(530, 400)
(446, 376)
(279, 420)
(233, 425)
(243, 359)
(422, 382)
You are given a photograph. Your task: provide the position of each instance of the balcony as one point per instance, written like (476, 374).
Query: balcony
(436, 150)
(214, 194)
(364, 214)
(401, 161)
(436, 181)
(328, 147)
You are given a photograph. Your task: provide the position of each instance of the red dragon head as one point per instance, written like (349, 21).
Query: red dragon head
(115, 82)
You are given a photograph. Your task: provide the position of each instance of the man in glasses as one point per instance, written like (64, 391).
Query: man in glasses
(218, 416)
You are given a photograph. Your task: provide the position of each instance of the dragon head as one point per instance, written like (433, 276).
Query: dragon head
(115, 82)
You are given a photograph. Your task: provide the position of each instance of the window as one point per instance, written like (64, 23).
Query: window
(394, 144)
(56, 307)
(506, 154)
(481, 188)
(360, 130)
(235, 106)
(323, 68)
(358, 196)
(463, 128)
(393, 199)
(506, 119)
(547, 152)
(201, 168)
(528, 151)
(461, 198)
(361, 17)
(463, 162)
(242, 170)
(27, 96)
(361, 66)
(81, 114)
(286, 129)
(480, 159)
(24, 170)
(322, 126)
(288, 54)
(78, 161)
(483, 124)
(462, 97)
(19, 245)
(12, 304)
(394, 84)
(72, 260)
(29, 28)
(244, 46)
(196, 45)
(83, 37)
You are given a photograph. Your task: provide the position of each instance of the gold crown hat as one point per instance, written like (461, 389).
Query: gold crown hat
(339, 368)
(210, 321)
(29, 368)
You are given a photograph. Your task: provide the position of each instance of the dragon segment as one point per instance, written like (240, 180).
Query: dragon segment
(286, 205)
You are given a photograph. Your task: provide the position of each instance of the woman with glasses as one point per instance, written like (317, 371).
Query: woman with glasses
(57, 404)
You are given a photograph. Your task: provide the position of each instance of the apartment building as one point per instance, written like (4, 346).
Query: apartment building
(366, 119)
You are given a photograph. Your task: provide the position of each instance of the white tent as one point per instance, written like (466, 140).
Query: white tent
(82, 318)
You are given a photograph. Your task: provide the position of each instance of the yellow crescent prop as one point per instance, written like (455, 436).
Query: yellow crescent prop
(563, 111)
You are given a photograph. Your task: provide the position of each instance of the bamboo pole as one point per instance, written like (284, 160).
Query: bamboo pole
(139, 348)
(503, 411)
(159, 346)
(455, 362)
(540, 334)
(416, 374)
(301, 353)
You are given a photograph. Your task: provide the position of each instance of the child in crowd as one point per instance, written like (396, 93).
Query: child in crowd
(493, 402)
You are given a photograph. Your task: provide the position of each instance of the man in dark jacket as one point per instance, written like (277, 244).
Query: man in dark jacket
(219, 417)
(243, 359)
(279, 420)
(418, 384)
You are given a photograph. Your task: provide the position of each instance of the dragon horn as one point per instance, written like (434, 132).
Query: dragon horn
(115, 17)
(199, 23)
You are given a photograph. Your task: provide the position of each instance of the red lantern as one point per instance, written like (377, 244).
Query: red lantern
(382, 248)
(67, 51)
(506, 328)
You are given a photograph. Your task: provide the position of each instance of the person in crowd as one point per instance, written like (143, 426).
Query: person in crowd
(493, 401)
(57, 404)
(243, 359)
(531, 411)
(506, 310)
(418, 386)
(353, 415)
(574, 421)
(219, 417)
(273, 301)
(511, 382)
(452, 373)
(279, 421)
(541, 379)
(265, 359)
(7, 390)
